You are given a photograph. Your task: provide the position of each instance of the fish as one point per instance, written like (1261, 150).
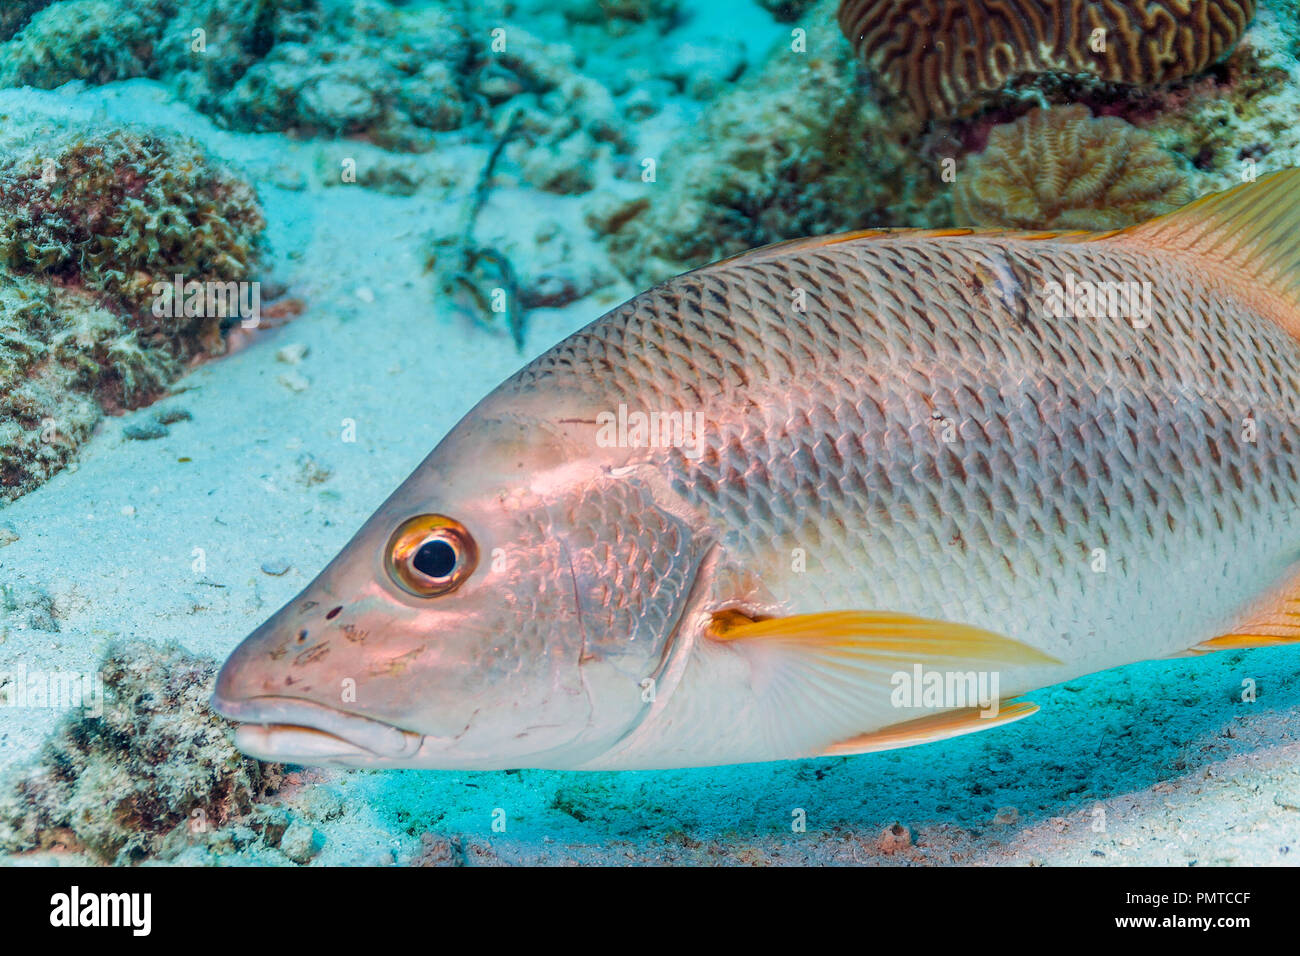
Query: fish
(828, 497)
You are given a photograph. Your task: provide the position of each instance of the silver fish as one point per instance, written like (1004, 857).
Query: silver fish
(826, 497)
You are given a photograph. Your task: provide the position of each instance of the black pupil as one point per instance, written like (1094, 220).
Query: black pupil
(435, 558)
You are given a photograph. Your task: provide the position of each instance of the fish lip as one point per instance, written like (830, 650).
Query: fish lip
(368, 735)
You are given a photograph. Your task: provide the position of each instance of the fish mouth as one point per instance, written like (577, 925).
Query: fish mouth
(293, 730)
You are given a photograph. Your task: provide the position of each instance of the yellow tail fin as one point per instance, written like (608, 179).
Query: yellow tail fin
(1253, 230)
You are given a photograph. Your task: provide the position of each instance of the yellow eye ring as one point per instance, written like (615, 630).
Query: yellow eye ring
(430, 555)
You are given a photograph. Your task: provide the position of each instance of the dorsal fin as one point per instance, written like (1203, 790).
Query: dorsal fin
(1253, 231)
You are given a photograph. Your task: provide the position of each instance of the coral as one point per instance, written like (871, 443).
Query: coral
(945, 56)
(795, 149)
(156, 760)
(15, 14)
(93, 40)
(1061, 168)
(786, 11)
(89, 222)
(316, 67)
(63, 359)
(116, 212)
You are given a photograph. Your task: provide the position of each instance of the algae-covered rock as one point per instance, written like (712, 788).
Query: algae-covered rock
(317, 67)
(118, 785)
(797, 148)
(92, 224)
(14, 15)
(119, 211)
(63, 360)
(92, 40)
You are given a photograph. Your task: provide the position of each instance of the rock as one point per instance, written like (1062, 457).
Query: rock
(1290, 799)
(566, 168)
(338, 104)
(42, 616)
(301, 843)
(322, 804)
(607, 213)
(145, 431)
(646, 100)
(562, 285)
(438, 850)
(550, 291)
(703, 71)
(171, 415)
(897, 837)
(432, 99)
(292, 354)
(275, 568)
(294, 381)
(275, 822)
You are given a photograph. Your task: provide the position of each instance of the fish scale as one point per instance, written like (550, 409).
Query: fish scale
(1071, 434)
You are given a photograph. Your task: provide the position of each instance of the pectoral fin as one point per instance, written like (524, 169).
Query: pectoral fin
(839, 637)
(825, 681)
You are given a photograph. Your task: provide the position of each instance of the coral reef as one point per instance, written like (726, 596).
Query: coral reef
(1061, 168)
(328, 67)
(116, 212)
(15, 14)
(63, 359)
(90, 222)
(795, 149)
(944, 56)
(155, 764)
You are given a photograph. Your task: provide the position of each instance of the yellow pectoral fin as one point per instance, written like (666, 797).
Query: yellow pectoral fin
(825, 680)
(925, 730)
(882, 636)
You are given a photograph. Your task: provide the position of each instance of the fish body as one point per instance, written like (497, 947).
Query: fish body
(732, 519)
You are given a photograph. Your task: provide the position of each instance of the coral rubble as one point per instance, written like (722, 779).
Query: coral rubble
(156, 764)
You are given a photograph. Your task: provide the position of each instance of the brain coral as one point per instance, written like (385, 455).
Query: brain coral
(944, 56)
(1062, 169)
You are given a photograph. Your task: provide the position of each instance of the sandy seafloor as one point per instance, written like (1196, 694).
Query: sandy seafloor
(1156, 763)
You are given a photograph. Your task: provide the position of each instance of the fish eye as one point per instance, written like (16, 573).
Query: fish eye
(430, 555)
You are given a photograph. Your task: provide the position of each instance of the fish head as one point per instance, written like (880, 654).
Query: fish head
(503, 608)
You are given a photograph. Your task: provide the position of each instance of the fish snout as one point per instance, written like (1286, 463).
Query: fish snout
(281, 687)
(286, 657)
